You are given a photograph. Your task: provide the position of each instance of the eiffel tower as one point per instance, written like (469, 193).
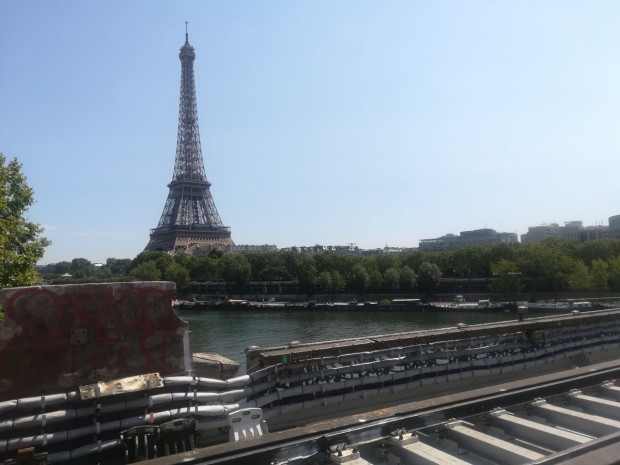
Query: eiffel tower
(190, 219)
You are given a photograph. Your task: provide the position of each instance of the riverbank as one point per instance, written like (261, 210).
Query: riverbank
(396, 305)
(456, 304)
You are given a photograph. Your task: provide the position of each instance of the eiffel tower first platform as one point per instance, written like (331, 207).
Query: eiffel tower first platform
(190, 218)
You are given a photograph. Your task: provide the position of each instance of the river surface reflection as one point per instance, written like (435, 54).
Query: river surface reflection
(228, 333)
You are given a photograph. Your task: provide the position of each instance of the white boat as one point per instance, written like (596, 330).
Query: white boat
(559, 306)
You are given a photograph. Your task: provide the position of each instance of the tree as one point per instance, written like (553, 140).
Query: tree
(413, 259)
(324, 281)
(545, 266)
(385, 262)
(338, 282)
(375, 281)
(408, 278)
(202, 268)
(21, 243)
(429, 275)
(82, 268)
(275, 272)
(600, 275)
(579, 278)
(614, 273)
(304, 269)
(359, 278)
(62, 267)
(508, 279)
(162, 260)
(391, 279)
(178, 274)
(118, 266)
(235, 268)
(147, 271)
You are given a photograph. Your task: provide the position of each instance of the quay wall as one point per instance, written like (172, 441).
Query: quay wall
(307, 382)
(439, 297)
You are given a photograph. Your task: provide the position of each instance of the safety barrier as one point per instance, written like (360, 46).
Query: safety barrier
(292, 387)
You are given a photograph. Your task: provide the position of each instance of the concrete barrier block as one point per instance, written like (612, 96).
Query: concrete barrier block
(59, 337)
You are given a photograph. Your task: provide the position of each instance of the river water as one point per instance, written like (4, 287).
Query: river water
(228, 333)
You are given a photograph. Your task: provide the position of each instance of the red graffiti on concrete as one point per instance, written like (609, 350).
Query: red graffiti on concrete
(59, 337)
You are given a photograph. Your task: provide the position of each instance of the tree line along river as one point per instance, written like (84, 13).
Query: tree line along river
(228, 333)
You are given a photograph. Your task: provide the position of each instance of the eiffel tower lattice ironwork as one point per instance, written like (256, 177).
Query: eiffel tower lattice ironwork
(190, 218)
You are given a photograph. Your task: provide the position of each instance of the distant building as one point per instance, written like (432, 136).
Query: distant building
(387, 250)
(614, 226)
(318, 248)
(251, 248)
(234, 248)
(539, 233)
(572, 230)
(484, 236)
(591, 233)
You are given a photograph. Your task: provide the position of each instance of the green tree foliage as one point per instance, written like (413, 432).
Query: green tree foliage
(81, 268)
(235, 268)
(203, 269)
(328, 261)
(304, 268)
(507, 278)
(324, 281)
(471, 262)
(429, 276)
(408, 278)
(602, 249)
(391, 279)
(614, 273)
(600, 275)
(386, 261)
(413, 259)
(177, 274)
(277, 272)
(162, 261)
(118, 266)
(550, 266)
(147, 271)
(375, 281)
(21, 243)
(61, 268)
(544, 267)
(359, 278)
(579, 278)
(338, 281)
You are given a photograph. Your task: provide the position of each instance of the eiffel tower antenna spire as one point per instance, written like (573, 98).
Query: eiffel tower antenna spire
(190, 218)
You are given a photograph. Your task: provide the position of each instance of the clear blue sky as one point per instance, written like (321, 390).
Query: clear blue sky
(332, 122)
